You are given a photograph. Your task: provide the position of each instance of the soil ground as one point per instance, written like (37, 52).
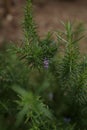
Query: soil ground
(47, 16)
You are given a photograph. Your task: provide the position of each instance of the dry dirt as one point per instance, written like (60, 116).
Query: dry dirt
(47, 16)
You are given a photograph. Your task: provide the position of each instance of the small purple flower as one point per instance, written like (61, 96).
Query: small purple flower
(46, 63)
(67, 119)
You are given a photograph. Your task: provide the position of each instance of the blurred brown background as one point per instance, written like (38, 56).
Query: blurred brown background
(47, 14)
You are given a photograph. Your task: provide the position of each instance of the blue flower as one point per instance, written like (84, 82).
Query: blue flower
(67, 119)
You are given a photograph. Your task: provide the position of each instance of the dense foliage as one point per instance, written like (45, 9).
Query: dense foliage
(43, 85)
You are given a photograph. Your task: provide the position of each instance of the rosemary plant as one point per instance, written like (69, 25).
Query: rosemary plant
(42, 87)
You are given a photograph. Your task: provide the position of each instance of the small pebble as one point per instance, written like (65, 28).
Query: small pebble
(9, 18)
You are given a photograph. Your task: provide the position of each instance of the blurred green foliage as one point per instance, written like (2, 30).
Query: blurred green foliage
(42, 87)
